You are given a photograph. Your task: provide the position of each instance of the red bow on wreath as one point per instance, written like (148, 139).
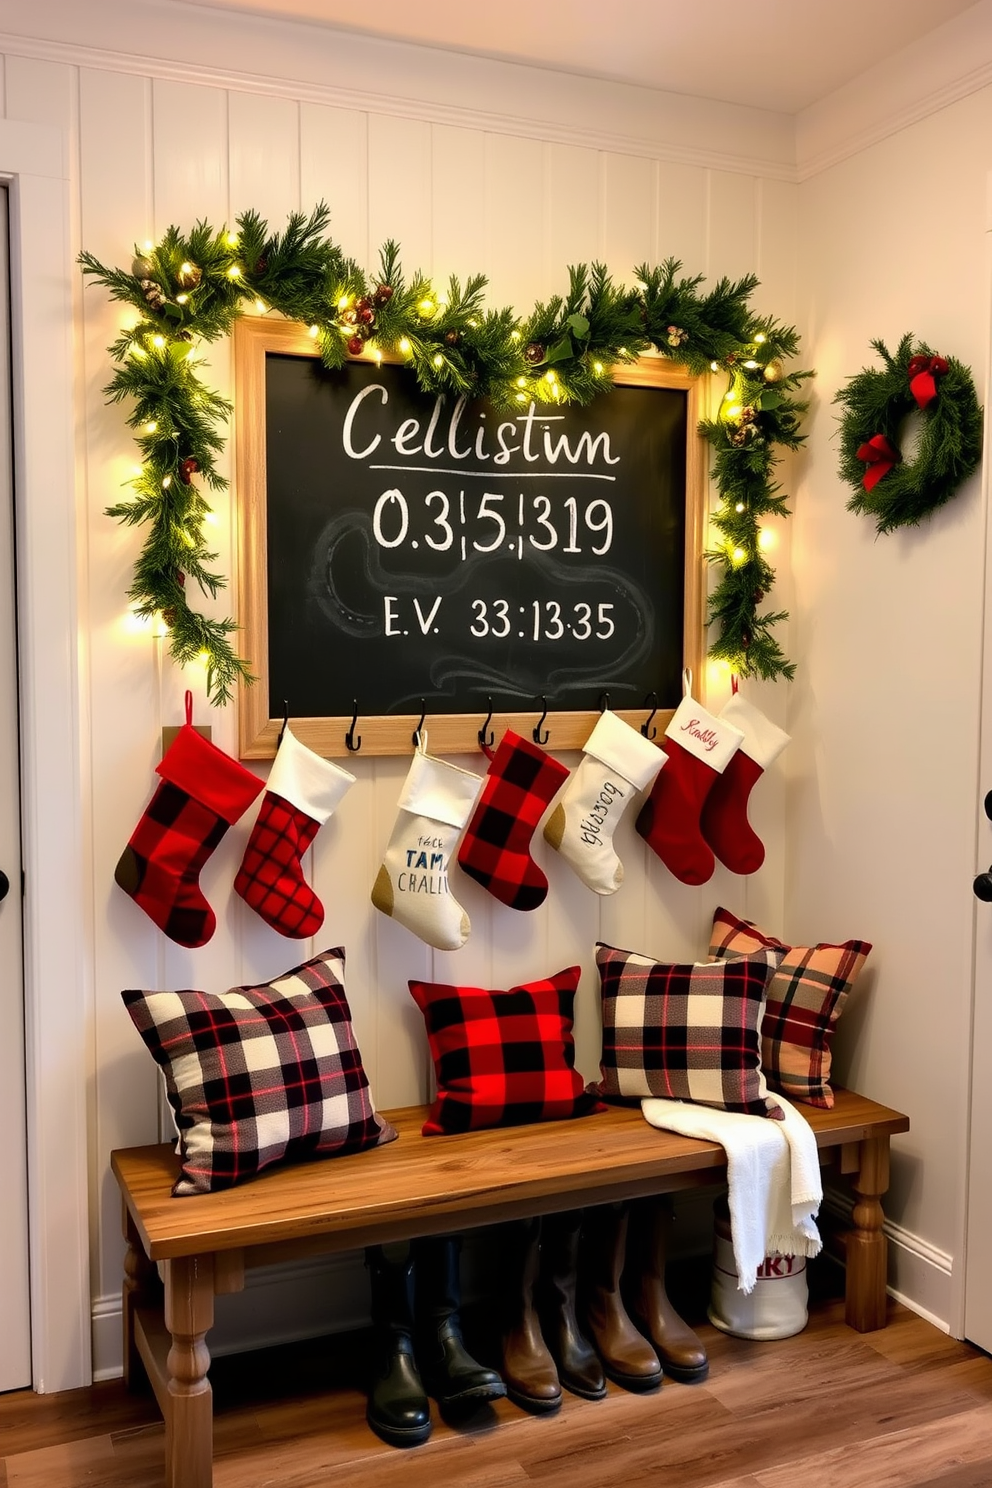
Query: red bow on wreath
(880, 456)
(922, 373)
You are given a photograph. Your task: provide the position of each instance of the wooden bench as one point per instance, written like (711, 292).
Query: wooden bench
(421, 1186)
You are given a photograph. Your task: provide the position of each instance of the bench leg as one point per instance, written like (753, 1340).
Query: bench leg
(865, 1300)
(189, 1314)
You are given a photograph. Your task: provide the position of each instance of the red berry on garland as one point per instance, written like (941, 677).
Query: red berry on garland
(452, 338)
(759, 595)
(187, 469)
(745, 639)
(363, 303)
(383, 294)
(366, 315)
(355, 345)
(534, 353)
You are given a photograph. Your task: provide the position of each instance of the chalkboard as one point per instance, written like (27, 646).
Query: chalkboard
(410, 555)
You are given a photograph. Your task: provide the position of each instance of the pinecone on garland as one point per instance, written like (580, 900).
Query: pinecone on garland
(534, 353)
(153, 293)
(383, 294)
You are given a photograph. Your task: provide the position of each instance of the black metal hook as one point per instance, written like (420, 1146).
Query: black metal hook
(537, 727)
(603, 706)
(420, 726)
(646, 725)
(285, 719)
(485, 743)
(349, 737)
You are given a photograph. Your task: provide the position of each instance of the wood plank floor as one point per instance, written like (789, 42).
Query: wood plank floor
(905, 1407)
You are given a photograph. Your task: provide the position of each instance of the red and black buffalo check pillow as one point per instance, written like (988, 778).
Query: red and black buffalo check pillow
(502, 1058)
(260, 1074)
(805, 998)
(685, 1031)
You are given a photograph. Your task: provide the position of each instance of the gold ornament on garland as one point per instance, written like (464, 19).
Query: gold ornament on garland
(563, 351)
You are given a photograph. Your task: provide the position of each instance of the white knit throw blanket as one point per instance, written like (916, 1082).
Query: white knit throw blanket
(773, 1174)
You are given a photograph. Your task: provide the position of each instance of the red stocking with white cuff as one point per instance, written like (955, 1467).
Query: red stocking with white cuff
(724, 821)
(699, 747)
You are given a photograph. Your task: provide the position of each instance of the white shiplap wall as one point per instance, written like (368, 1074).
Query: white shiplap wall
(147, 149)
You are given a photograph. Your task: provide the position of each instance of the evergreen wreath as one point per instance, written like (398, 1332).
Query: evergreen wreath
(898, 492)
(190, 288)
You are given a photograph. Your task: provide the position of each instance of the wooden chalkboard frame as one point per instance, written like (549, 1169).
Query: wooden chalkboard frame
(258, 733)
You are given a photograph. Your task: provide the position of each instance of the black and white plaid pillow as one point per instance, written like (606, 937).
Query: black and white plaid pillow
(260, 1074)
(685, 1031)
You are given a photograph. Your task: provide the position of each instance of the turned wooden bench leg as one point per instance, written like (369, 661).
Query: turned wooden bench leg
(189, 1314)
(865, 1299)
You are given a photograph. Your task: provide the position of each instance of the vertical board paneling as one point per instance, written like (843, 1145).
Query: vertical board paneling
(264, 136)
(572, 204)
(732, 225)
(334, 168)
(458, 184)
(514, 221)
(42, 93)
(682, 216)
(400, 190)
(776, 260)
(115, 213)
(630, 207)
(190, 155)
(458, 201)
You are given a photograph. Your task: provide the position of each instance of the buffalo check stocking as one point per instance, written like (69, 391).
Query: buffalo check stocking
(495, 850)
(724, 820)
(412, 885)
(302, 792)
(700, 746)
(617, 762)
(203, 792)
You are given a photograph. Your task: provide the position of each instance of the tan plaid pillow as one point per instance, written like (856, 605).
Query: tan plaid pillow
(806, 996)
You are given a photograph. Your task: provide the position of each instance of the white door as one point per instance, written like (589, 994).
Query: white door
(15, 1338)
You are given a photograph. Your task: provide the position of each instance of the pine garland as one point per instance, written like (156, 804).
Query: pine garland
(899, 493)
(191, 288)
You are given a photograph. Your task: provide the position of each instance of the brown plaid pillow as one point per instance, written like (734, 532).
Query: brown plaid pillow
(260, 1074)
(685, 1031)
(805, 998)
(502, 1058)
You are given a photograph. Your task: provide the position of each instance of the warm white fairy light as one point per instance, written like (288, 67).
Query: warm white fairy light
(151, 426)
(313, 332)
(739, 507)
(404, 345)
(438, 360)
(158, 342)
(181, 299)
(166, 482)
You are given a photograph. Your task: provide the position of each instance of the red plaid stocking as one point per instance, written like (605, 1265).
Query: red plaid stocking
(699, 747)
(203, 792)
(495, 850)
(724, 820)
(302, 792)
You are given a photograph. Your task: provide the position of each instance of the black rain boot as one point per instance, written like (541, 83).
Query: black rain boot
(398, 1409)
(628, 1358)
(681, 1351)
(579, 1369)
(451, 1375)
(528, 1368)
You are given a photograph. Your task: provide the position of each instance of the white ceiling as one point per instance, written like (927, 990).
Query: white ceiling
(774, 54)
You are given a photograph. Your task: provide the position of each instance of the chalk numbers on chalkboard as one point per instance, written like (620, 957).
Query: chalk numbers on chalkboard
(545, 620)
(489, 523)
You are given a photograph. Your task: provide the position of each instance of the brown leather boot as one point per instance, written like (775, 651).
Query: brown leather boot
(627, 1358)
(579, 1369)
(682, 1354)
(528, 1369)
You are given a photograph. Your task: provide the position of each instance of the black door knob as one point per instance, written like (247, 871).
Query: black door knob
(983, 886)
(988, 804)
(4, 884)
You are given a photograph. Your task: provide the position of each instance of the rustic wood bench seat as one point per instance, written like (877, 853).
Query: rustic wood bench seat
(422, 1186)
